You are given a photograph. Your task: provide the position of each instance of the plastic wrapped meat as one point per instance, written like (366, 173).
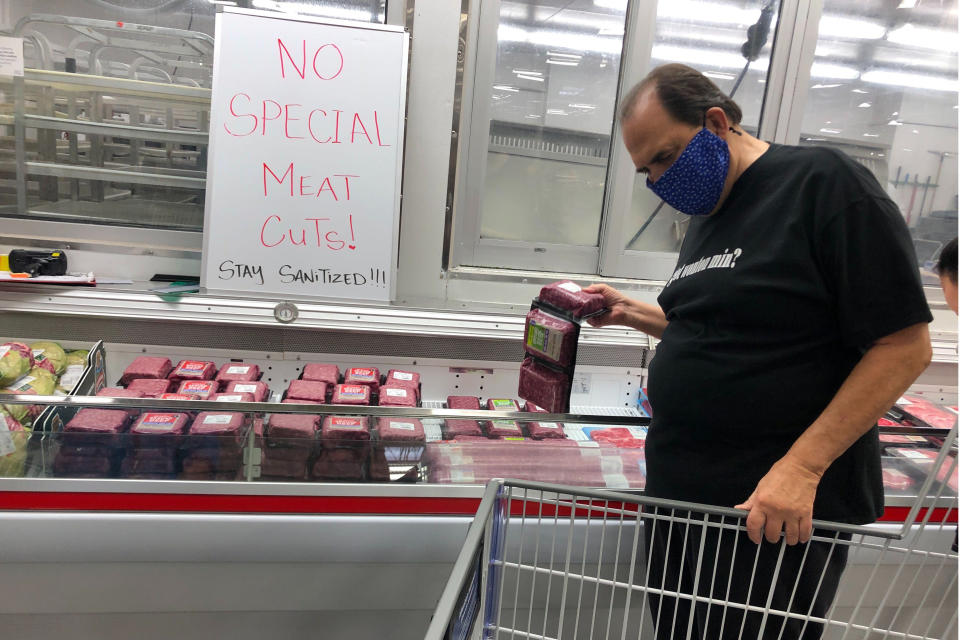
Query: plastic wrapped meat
(456, 428)
(550, 338)
(260, 390)
(469, 403)
(287, 454)
(340, 430)
(896, 438)
(502, 404)
(368, 376)
(896, 480)
(156, 429)
(82, 467)
(529, 407)
(340, 464)
(134, 465)
(543, 386)
(146, 367)
(395, 396)
(400, 430)
(329, 373)
(212, 461)
(150, 387)
(96, 427)
(193, 370)
(214, 428)
(410, 379)
(237, 372)
(282, 463)
(924, 459)
(379, 470)
(541, 430)
(292, 430)
(504, 429)
(307, 390)
(568, 295)
(930, 414)
(233, 397)
(199, 389)
(356, 394)
(299, 401)
(117, 392)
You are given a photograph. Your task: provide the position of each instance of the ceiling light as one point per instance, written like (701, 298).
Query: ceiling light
(895, 123)
(924, 37)
(833, 71)
(871, 135)
(526, 72)
(718, 75)
(834, 131)
(572, 56)
(564, 63)
(588, 107)
(556, 112)
(532, 115)
(526, 77)
(825, 86)
(912, 80)
(864, 105)
(850, 28)
(505, 87)
(907, 4)
(859, 91)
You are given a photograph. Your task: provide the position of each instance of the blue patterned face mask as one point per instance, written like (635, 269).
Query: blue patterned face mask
(694, 182)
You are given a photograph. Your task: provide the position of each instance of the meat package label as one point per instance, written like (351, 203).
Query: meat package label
(396, 393)
(245, 388)
(503, 405)
(346, 423)
(190, 368)
(914, 455)
(237, 370)
(218, 419)
(545, 341)
(200, 386)
(4, 350)
(156, 422)
(403, 426)
(229, 398)
(571, 287)
(176, 396)
(549, 425)
(506, 424)
(356, 392)
(361, 374)
(38, 355)
(402, 375)
(23, 384)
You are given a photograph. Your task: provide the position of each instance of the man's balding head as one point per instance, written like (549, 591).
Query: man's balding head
(685, 94)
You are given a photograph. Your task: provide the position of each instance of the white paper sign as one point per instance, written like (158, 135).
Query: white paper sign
(11, 56)
(306, 141)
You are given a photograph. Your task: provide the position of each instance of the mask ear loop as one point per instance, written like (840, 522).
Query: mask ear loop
(704, 125)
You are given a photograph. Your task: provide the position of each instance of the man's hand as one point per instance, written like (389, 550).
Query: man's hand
(626, 312)
(783, 500)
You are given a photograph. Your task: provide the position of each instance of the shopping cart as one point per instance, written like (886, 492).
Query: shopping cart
(549, 562)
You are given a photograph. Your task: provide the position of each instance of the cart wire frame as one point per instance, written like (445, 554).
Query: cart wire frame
(546, 531)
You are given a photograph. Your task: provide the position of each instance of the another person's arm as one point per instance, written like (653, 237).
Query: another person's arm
(783, 500)
(624, 311)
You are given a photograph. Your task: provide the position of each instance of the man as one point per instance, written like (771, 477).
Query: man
(794, 319)
(947, 270)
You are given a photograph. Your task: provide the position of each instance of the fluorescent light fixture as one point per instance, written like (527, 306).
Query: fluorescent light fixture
(526, 77)
(556, 112)
(572, 56)
(526, 72)
(915, 131)
(895, 123)
(850, 28)
(907, 4)
(911, 80)
(611, 4)
(833, 71)
(859, 91)
(719, 75)
(532, 116)
(505, 87)
(588, 107)
(226, 3)
(871, 135)
(707, 12)
(864, 105)
(825, 86)
(340, 13)
(834, 131)
(564, 63)
(925, 38)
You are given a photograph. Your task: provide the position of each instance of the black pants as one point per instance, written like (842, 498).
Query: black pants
(729, 567)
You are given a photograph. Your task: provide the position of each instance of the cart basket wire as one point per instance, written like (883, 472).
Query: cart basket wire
(544, 562)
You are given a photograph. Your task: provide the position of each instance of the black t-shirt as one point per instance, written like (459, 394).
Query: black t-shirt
(774, 300)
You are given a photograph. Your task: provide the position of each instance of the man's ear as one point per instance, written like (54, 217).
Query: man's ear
(717, 121)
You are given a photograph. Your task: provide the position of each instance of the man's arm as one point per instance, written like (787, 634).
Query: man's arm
(784, 497)
(627, 312)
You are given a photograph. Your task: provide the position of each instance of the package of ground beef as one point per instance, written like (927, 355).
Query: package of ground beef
(395, 396)
(368, 376)
(85, 467)
(176, 396)
(151, 387)
(340, 464)
(155, 429)
(307, 390)
(233, 397)
(503, 429)
(117, 392)
(286, 469)
(469, 403)
(237, 372)
(398, 378)
(356, 394)
(212, 460)
(318, 372)
(529, 407)
(90, 427)
(193, 370)
(292, 430)
(146, 367)
(502, 404)
(299, 401)
(569, 296)
(338, 430)
(544, 387)
(259, 389)
(550, 338)
(400, 430)
(455, 427)
(217, 429)
(199, 389)
(542, 430)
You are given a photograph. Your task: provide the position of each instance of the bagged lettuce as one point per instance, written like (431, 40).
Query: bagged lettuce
(13, 445)
(16, 359)
(50, 356)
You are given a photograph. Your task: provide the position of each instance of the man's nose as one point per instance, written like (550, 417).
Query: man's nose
(654, 174)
